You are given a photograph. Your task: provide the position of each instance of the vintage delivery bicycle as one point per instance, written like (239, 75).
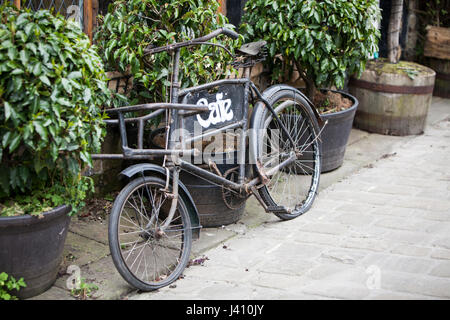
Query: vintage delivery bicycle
(154, 219)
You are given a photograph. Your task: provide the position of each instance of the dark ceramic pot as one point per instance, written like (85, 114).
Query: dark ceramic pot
(209, 198)
(336, 133)
(32, 248)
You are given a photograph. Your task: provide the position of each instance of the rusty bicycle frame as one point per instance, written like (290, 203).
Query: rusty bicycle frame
(177, 112)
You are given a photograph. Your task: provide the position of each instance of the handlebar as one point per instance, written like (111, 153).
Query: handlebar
(230, 33)
(215, 33)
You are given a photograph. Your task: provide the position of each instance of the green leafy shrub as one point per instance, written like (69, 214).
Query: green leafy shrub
(131, 26)
(323, 39)
(52, 85)
(7, 284)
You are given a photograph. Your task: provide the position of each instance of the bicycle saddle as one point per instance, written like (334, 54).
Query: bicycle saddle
(252, 48)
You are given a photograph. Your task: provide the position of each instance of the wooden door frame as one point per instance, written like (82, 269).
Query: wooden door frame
(88, 19)
(223, 7)
(87, 15)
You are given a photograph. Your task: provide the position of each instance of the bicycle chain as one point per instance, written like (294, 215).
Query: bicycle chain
(232, 199)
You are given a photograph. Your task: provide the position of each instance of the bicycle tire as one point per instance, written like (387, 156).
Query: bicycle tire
(174, 262)
(308, 165)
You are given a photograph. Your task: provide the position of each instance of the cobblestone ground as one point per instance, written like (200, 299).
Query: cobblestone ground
(382, 233)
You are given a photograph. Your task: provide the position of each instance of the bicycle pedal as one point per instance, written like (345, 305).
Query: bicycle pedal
(169, 194)
(277, 209)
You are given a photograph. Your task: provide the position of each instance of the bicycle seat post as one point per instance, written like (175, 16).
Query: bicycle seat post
(243, 133)
(247, 72)
(174, 121)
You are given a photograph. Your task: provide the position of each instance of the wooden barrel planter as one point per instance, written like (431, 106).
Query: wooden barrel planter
(437, 51)
(442, 82)
(393, 99)
(32, 248)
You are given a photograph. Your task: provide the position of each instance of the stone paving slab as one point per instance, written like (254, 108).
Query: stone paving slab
(81, 251)
(93, 230)
(104, 275)
(54, 293)
(372, 235)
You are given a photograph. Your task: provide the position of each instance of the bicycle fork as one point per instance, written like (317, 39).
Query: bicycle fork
(173, 196)
(160, 231)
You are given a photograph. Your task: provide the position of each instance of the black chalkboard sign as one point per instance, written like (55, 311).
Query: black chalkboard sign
(225, 104)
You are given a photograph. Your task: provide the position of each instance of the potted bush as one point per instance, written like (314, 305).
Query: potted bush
(52, 84)
(131, 26)
(394, 95)
(321, 42)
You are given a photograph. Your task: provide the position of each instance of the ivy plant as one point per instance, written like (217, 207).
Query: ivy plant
(131, 26)
(52, 85)
(324, 40)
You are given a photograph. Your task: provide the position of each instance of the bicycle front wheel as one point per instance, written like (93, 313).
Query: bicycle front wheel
(147, 256)
(292, 189)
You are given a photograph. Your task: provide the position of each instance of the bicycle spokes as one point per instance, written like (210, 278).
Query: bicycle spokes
(148, 251)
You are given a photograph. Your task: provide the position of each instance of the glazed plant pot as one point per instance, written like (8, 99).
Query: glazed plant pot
(215, 208)
(334, 136)
(32, 248)
(336, 133)
(209, 198)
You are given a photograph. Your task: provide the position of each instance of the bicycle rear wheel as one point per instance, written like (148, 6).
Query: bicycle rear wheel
(147, 257)
(292, 189)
